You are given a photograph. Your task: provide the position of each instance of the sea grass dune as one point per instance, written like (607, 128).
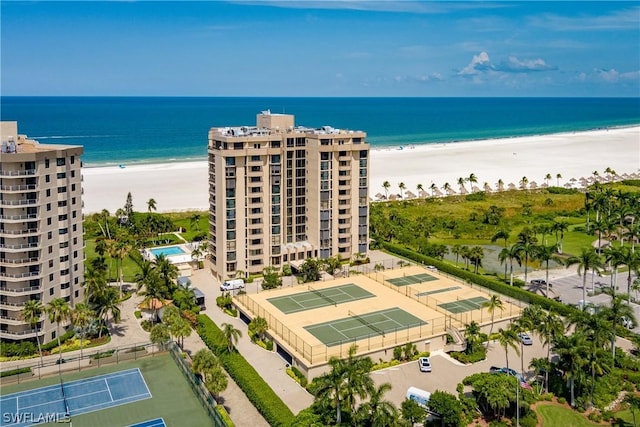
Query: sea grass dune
(183, 186)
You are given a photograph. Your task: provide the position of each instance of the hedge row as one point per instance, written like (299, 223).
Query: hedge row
(54, 343)
(14, 372)
(257, 390)
(492, 284)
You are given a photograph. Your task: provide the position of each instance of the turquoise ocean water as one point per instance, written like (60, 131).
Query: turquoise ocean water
(123, 130)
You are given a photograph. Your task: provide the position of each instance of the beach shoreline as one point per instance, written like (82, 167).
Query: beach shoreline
(184, 185)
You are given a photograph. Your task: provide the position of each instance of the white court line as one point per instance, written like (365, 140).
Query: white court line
(108, 389)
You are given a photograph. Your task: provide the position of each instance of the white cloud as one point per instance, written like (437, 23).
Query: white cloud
(479, 63)
(613, 76)
(617, 20)
(515, 65)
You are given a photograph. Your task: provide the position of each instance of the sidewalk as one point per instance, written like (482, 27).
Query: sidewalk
(270, 366)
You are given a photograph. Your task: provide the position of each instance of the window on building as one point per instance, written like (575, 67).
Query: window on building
(60, 161)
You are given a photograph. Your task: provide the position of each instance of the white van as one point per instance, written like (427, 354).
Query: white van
(230, 285)
(420, 396)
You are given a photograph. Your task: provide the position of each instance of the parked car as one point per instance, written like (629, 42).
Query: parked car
(425, 364)
(525, 338)
(626, 322)
(231, 285)
(432, 268)
(538, 282)
(512, 372)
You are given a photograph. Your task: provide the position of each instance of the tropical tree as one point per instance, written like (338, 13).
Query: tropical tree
(508, 338)
(616, 310)
(419, 188)
(257, 328)
(377, 411)
(433, 187)
(494, 303)
(58, 311)
(194, 221)
(81, 317)
(527, 250)
(632, 260)
(546, 254)
(402, 187)
(523, 182)
(160, 335)
(310, 270)
(633, 400)
(547, 178)
(151, 204)
(461, 182)
(31, 313)
(412, 412)
(558, 178)
(386, 185)
(448, 407)
(456, 249)
(549, 328)
(559, 227)
(472, 178)
(107, 305)
(510, 254)
(231, 335)
(571, 350)
(471, 335)
(587, 260)
(210, 370)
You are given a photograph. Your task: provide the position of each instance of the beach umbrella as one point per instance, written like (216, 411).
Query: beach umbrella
(544, 185)
(410, 195)
(487, 187)
(512, 186)
(533, 185)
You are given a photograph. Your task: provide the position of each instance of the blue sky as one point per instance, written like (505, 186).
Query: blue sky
(320, 48)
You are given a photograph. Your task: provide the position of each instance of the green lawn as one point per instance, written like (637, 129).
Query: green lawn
(553, 416)
(625, 418)
(172, 397)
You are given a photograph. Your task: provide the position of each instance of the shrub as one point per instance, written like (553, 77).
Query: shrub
(562, 400)
(225, 416)
(19, 349)
(14, 372)
(300, 376)
(54, 343)
(146, 325)
(137, 314)
(595, 417)
(102, 355)
(266, 401)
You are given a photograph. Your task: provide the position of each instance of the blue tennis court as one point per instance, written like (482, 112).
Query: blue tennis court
(158, 422)
(46, 404)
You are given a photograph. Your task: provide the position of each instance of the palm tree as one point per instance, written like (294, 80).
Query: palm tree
(167, 272)
(526, 248)
(471, 335)
(81, 316)
(433, 187)
(461, 182)
(402, 187)
(419, 188)
(587, 260)
(377, 411)
(632, 260)
(558, 178)
(634, 404)
(151, 204)
(32, 312)
(473, 179)
(58, 311)
(523, 183)
(194, 221)
(493, 304)
(231, 335)
(571, 350)
(559, 227)
(108, 304)
(121, 249)
(545, 254)
(549, 328)
(614, 313)
(446, 187)
(456, 249)
(386, 185)
(508, 338)
(547, 178)
(502, 234)
(510, 254)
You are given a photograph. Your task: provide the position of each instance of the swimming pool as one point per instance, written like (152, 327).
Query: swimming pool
(167, 251)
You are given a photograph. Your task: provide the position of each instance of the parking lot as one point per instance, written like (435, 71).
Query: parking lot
(567, 285)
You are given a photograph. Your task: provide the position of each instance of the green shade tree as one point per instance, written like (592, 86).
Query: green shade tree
(81, 317)
(494, 303)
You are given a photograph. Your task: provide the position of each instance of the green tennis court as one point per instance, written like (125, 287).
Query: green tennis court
(438, 291)
(319, 297)
(360, 326)
(412, 280)
(464, 304)
(172, 397)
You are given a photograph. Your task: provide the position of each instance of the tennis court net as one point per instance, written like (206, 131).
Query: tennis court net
(321, 295)
(364, 322)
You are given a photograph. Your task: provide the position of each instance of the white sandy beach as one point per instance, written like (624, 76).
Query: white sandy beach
(183, 186)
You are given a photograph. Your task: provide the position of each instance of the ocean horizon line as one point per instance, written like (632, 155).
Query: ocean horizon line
(204, 158)
(313, 97)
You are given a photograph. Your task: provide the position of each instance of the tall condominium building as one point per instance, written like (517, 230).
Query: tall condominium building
(41, 243)
(281, 193)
